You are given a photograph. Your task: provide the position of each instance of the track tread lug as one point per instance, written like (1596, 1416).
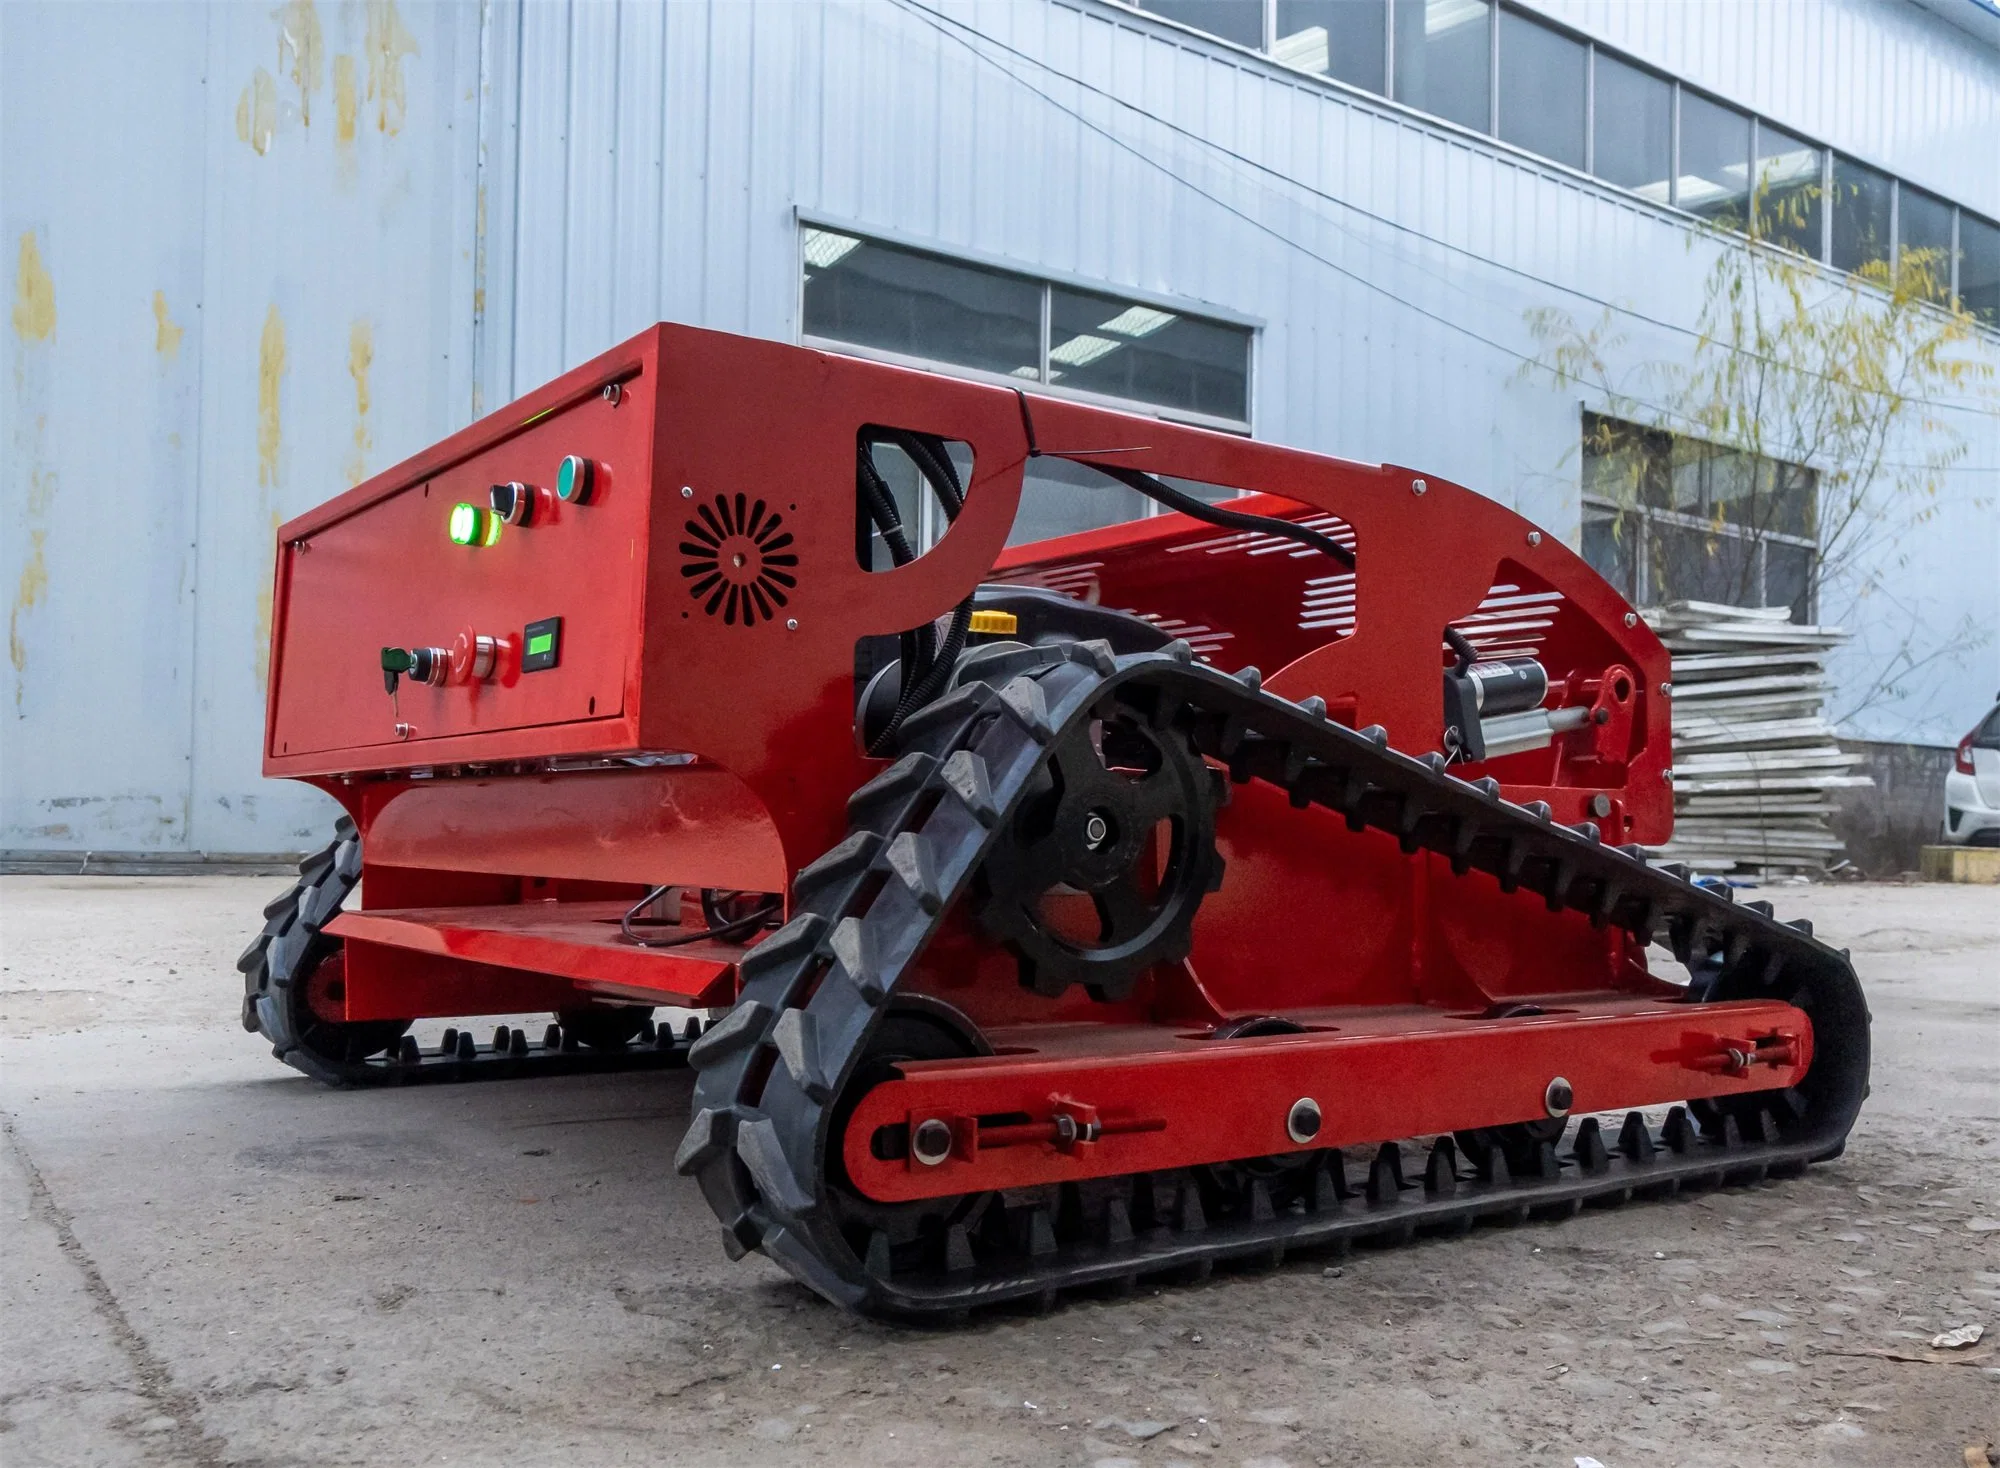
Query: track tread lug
(966, 776)
(743, 1026)
(911, 862)
(796, 1035)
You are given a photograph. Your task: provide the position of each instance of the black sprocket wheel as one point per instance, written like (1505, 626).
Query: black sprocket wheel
(1106, 862)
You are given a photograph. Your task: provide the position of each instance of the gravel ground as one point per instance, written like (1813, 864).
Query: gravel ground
(211, 1260)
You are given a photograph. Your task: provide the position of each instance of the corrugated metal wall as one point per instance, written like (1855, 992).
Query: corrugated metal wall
(282, 248)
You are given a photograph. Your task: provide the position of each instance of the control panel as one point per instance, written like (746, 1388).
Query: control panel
(497, 589)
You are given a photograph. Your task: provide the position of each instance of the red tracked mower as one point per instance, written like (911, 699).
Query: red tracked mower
(1045, 942)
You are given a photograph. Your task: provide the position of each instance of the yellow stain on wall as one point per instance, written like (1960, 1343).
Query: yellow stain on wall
(166, 335)
(34, 294)
(34, 581)
(262, 660)
(299, 34)
(360, 357)
(257, 111)
(41, 482)
(346, 105)
(387, 44)
(270, 377)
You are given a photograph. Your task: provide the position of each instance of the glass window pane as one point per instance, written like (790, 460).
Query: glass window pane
(1789, 189)
(1623, 463)
(1788, 578)
(1443, 58)
(1241, 21)
(1102, 344)
(1715, 161)
(1633, 129)
(1061, 498)
(1703, 565)
(1541, 89)
(1608, 536)
(1923, 228)
(1860, 215)
(877, 295)
(1979, 267)
(1345, 39)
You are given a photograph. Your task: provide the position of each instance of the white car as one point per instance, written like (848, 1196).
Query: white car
(1972, 789)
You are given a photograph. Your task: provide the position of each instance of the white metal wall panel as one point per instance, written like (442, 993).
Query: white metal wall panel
(566, 173)
(258, 226)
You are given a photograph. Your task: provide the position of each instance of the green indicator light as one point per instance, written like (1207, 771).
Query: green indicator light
(541, 643)
(470, 525)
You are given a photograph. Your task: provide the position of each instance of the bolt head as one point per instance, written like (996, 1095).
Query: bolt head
(1302, 1123)
(1666, 690)
(1417, 486)
(930, 1141)
(1631, 619)
(1558, 1098)
(791, 624)
(687, 491)
(1600, 805)
(1534, 537)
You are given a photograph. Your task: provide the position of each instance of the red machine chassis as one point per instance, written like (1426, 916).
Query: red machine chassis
(508, 821)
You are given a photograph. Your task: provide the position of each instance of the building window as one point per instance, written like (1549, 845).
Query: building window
(1790, 185)
(1566, 98)
(1862, 206)
(1714, 175)
(1542, 86)
(1632, 129)
(1343, 39)
(1669, 518)
(917, 305)
(1241, 21)
(1923, 243)
(1979, 267)
(931, 308)
(1444, 59)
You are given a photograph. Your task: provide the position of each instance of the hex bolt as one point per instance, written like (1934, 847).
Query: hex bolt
(1600, 805)
(791, 624)
(1558, 1098)
(1303, 1121)
(687, 491)
(1666, 690)
(1667, 775)
(1096, 829)
(930, 1142)
(1417, 486)
(1631, 619)
(613, 392)
(1534, 537)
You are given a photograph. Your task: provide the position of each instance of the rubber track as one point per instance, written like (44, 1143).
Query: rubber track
(768, 1072)
(294, 919)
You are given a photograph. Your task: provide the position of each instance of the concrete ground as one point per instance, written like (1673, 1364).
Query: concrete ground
(211, 1260)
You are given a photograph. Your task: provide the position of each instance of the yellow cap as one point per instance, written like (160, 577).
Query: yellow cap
(994, 622)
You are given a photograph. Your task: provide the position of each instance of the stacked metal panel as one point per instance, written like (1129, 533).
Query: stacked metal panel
(1755, 761)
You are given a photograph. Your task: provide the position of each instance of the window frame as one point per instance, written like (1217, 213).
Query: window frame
(1643, 517)
(1046, 281)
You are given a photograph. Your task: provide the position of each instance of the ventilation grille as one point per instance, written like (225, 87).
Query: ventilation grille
(1511, 622)
(738, 560)
(1256, 543)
